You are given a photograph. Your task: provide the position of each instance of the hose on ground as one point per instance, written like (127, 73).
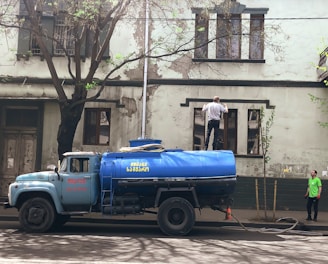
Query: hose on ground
(289, 230)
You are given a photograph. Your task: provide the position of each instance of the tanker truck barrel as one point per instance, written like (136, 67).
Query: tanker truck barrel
(168, 165)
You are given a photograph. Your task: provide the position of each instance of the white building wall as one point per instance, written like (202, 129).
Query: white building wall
(294, 36)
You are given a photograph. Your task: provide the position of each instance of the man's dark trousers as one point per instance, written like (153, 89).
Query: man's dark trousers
(212, 124)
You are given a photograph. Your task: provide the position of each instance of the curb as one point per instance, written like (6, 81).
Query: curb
(300, 226)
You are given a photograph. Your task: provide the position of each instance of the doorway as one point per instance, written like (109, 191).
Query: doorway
(20, 130)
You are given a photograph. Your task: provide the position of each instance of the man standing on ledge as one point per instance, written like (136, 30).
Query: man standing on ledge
(214, 110)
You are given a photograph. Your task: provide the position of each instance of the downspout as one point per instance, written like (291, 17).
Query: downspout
(145, 75)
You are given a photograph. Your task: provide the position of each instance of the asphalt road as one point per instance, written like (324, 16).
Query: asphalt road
(104, 243)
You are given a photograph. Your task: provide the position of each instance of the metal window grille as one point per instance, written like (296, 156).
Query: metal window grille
(64, 39)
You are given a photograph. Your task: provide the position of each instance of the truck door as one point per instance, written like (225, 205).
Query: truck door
(77, 184)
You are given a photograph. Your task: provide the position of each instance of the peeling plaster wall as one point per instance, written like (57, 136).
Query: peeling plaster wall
(50, 128)
(298, 143)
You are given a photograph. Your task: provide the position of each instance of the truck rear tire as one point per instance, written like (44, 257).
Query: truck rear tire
(176, 216)
(37, 215)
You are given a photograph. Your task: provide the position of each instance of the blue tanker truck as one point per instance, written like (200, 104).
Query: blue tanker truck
(137, 180)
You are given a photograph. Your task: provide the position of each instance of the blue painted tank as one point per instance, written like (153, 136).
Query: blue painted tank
(169, 165)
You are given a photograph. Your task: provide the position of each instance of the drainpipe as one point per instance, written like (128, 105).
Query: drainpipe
(145, 75)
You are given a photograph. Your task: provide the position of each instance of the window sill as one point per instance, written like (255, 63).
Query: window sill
(254, 156)
(227, 60)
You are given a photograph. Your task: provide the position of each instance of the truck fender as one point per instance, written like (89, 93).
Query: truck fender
(160, 191)
(23, 190)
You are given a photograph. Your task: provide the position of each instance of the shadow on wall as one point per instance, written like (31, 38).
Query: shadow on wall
(289, 193)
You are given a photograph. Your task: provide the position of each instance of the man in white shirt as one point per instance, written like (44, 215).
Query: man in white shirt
(214, 111)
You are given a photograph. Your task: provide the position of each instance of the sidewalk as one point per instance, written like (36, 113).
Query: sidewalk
(208, 217)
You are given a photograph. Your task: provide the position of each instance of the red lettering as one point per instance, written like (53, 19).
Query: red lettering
(76, 181)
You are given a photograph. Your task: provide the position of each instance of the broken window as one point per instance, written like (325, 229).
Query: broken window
(96, 126)
(227, 131)
(253, 135)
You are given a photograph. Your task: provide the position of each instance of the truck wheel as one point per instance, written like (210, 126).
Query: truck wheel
(176, 216)
(37, 215)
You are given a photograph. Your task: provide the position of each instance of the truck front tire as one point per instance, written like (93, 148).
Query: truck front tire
(37, 215)
(176, 216)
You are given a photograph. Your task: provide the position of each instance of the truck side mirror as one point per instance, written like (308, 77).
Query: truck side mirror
(56, 170)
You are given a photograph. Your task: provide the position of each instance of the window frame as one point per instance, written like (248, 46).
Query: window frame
(224, 130)
(253, 131)
(97, 125)
(236, 9)
(201, 35)
(228, 45)
(256, 38)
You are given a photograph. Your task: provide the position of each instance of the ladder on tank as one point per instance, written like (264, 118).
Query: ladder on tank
(105, 192)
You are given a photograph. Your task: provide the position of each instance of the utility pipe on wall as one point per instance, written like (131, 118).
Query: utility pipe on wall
(145, 75)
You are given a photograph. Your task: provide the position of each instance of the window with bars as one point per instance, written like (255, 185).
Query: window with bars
(96, 126)
(57, 34)
(63, 37)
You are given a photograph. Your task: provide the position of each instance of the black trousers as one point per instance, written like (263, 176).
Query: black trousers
(312, 202)
(212, 124)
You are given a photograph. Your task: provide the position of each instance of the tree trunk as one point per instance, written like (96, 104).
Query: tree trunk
(70, 117)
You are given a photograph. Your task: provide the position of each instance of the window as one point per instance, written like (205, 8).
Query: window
(256, 42)
(253, 135)
(63, 36)
(96, 126)
(230, 16)
(227, 132)
(199, 129)
(201, 36)
(53, 25)
(228, 36)
(79, 165)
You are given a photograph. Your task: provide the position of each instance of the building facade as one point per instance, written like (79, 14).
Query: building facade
(257, 56)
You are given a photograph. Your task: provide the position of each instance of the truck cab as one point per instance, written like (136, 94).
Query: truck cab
(47, 198)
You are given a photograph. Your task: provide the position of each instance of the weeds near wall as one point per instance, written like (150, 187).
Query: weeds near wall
(266, 138)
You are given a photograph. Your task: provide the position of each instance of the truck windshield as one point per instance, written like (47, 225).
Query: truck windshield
(63, 165)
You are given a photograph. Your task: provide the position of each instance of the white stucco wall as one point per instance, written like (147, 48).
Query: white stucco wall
(294, 36)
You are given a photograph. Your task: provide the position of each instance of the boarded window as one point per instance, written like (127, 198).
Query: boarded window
(256, 42)
(96, 126)
(201, 36)
(228, 36)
